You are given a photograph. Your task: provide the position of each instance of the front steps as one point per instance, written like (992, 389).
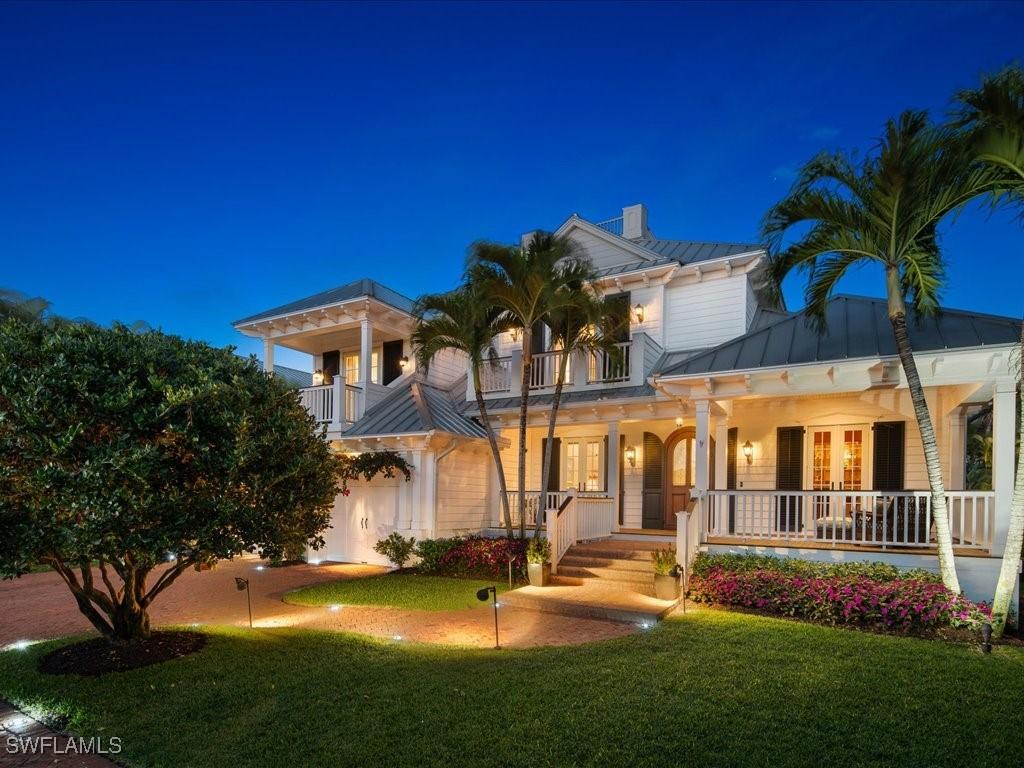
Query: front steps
(610, 579)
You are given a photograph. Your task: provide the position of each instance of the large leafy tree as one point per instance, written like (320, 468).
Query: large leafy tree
(990, 122)
(16, 304)
(527, 283)
(466, 321)
(883, 210)
(127, 458)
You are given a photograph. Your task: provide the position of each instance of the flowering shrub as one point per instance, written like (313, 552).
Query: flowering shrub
(482, 556)
(793, 566)
(843, 595)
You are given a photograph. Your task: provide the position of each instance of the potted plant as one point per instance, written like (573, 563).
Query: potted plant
(538, 554)
(666, 574)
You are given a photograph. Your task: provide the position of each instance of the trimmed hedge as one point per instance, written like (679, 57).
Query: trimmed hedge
(472, 556)
(871, 595)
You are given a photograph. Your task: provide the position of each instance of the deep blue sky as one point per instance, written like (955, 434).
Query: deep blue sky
(191, 164)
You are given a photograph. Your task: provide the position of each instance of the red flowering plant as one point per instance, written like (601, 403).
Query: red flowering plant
(871, 595)
(483, 556)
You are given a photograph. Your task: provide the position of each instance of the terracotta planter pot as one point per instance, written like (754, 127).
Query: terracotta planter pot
(666, 587)
(539, 573)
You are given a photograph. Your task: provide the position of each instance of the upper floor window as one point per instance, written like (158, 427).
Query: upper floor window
(351, 361)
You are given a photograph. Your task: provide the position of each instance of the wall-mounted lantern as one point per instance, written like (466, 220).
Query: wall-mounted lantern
(404, 363)
(638, 312)
(679, 421)
(318, 377)
(631, 455)
(748, 452)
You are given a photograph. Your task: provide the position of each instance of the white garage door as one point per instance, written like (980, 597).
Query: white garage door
(369, 513)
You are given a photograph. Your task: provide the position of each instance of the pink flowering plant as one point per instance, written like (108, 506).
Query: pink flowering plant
(483, 556)
(871, 595)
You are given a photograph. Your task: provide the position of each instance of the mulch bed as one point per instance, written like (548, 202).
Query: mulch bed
(98, 657)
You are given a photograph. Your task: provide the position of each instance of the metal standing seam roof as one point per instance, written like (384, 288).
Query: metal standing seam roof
(413, 408)
(857, 327)
(568, 397)
(293, 377)
(354, 290)
(694, 251)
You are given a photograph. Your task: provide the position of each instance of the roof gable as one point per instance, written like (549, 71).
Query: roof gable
(415, 407)
(357, 289)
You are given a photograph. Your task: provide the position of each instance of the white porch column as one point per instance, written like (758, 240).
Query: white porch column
(1004, 427)
(515, 385)
(703, 412)
(613, 470)
(268, 355)
(365, 352)
(722, 453)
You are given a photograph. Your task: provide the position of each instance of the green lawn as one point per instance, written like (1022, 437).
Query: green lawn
(712, 688)
(398, 590)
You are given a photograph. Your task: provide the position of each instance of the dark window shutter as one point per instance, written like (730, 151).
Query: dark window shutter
(653, 496)
(618, 312)
(789, 472)
(889, 455)
(332, 364)
(554, 479)
(537, 338)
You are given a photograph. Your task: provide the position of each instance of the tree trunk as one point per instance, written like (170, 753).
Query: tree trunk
(548, 446)
(523, 404)
(1015, 532)
(940, 514)
(495, 451)
(130, 622)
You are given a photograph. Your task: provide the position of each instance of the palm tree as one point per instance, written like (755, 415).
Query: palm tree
(526, 283)
(583, 324)
(883, 210)
(466, 321)
(990, 121)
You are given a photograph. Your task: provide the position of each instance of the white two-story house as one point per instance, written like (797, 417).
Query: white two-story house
(787, 440)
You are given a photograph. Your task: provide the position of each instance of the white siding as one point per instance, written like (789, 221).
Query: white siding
(652, 299)
(751, 303)
(463, 498)
(706, 313)
(602, 253)
(446, 368)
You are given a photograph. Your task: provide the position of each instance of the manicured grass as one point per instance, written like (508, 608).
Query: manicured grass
(711, 688)
(397, 590)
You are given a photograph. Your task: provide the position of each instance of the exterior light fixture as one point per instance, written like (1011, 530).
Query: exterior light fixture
(515, 334)
(631, 455)
(397, 638)
(748, 452)
(986, 637)
(318, 377)
(260, 567)
(638, 311)
(679, 421)
(242, 585)
(482, 594)
(404, 362)
(335, 608)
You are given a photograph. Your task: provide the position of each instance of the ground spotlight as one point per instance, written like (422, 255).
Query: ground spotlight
(481, 595)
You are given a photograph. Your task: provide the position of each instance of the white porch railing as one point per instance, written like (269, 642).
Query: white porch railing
(845, 518)
(337, 405)
(552, 499)
(496, 375)
(595, 516)
(562, 526)
(605, 368)
(545, 368)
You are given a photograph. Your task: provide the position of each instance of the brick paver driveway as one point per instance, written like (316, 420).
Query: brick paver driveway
(39, 606)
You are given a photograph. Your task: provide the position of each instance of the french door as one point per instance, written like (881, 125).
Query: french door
(836, 456)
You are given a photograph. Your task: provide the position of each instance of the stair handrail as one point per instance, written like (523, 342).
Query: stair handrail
(561, 528)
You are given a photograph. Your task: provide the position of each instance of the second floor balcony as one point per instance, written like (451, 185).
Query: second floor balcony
(628, 365)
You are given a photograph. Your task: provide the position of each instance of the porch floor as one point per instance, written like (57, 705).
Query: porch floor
(591, 599)
(810, 543)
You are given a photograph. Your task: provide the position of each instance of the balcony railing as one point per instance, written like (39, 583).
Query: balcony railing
(496, 375)
(337, 405)
(845, 519)
(545, 369)
(606, 368)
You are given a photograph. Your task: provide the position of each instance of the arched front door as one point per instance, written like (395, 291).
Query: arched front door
(680, 471)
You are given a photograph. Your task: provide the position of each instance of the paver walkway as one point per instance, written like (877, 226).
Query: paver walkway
(27, 743)
(39, 606)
